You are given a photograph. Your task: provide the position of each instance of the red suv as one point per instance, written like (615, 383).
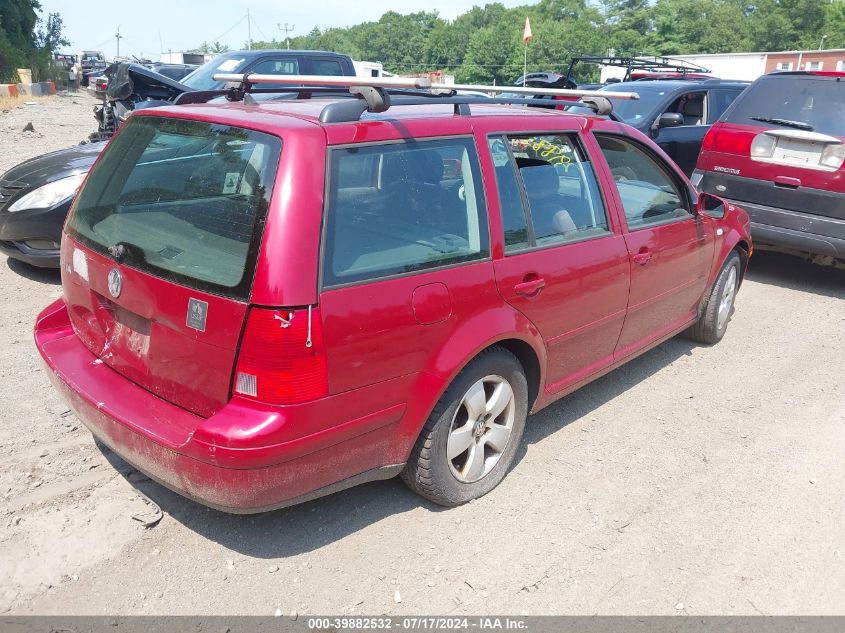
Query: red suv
(267, 302)
(779, 151)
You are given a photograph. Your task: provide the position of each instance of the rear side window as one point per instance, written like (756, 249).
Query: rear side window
(403, 207)
(185, 200)
(718, 102)
(813, 101)
(324, 67)
(557, 182)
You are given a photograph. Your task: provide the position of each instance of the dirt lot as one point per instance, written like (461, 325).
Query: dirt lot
(693, 481)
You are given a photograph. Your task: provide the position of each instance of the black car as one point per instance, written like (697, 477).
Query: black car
(35, 196)
(676, 113)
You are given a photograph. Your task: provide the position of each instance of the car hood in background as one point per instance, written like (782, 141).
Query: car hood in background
(53, 166)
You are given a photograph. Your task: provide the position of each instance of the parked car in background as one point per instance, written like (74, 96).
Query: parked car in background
(779, 151)
(253, 330)
(35, 197)
(676, 113)
(176, 72)
(97, 86)
(36, 194)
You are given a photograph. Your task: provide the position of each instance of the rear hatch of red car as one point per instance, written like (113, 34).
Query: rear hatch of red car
(160, 253)
(781, 144)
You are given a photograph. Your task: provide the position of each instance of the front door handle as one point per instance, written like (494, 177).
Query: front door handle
(530, 288)
(642, 258)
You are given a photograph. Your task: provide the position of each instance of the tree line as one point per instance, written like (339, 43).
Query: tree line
(484, 45)
(27, 40)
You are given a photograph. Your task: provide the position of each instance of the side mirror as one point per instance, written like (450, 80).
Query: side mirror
(670, 119)
(711, 205)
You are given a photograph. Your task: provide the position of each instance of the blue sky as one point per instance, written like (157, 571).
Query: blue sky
(149, 26)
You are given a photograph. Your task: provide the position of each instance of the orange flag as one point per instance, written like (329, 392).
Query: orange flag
(526, 34)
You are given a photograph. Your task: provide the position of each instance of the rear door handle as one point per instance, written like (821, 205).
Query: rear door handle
(642, 258)
(530, 288)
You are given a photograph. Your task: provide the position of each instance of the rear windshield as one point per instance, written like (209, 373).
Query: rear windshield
(814, 101)
(184, 200)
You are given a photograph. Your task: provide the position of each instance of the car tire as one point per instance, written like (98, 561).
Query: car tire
(718, 309)
(481, 435)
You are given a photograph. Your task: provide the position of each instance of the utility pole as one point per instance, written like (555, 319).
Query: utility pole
(118, 37)
(287, 29)
(248, 31)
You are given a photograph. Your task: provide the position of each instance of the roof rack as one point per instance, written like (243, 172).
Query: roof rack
(374, 93)
(643, 64)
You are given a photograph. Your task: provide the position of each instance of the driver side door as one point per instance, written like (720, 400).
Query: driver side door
(669, 247)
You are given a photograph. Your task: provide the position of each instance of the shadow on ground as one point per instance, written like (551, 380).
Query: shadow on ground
(312, 525)
(50, 276)
(794, 273)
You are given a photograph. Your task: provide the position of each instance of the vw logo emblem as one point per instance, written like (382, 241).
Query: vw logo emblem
(115, 281)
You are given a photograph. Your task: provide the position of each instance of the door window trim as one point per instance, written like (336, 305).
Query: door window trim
(689, 199)
(585, 156)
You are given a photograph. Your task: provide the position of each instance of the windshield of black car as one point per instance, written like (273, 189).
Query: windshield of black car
(202, 77)
(632, 111)
(184, 200)
(812, 100)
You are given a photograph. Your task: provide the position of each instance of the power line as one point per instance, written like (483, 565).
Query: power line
(227, 31)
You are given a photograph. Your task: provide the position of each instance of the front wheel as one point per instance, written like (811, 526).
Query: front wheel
(718, 309)
(470, 439)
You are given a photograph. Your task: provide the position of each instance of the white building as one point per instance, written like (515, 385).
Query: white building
(749, 66)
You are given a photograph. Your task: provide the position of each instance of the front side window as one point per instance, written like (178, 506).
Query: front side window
(558, 184)
(185, 200)
(649, 194)
(691, 106)
(403, 207)
(288, 66)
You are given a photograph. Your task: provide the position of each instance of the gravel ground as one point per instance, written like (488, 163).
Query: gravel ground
(694, 480)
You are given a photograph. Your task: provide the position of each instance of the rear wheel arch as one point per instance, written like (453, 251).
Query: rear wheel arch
(527, 357)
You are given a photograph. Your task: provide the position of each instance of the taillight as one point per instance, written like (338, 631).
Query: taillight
(728, 140)
(282, 359)
(709, 141)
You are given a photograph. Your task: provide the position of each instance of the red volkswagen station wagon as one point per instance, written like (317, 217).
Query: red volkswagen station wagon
(269, 301)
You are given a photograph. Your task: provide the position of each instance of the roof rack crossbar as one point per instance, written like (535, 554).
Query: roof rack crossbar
(373, 94)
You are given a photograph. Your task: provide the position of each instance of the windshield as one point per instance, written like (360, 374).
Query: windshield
(183, 200)
(201, 78)
(632, 111)
(802, 101)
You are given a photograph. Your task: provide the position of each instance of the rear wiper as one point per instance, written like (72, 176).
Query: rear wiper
(786, 122)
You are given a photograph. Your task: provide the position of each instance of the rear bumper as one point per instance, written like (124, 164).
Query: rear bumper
(174, 447)
(799, 231)
(774, 225)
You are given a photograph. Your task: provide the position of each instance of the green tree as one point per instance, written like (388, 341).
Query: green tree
(834, 25)
(699, 26)
(494, 55)
(785, 24)
(17, 44)
(49, 37)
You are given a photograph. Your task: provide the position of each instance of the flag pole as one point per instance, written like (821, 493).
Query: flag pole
(526, 37)
(525, 66)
